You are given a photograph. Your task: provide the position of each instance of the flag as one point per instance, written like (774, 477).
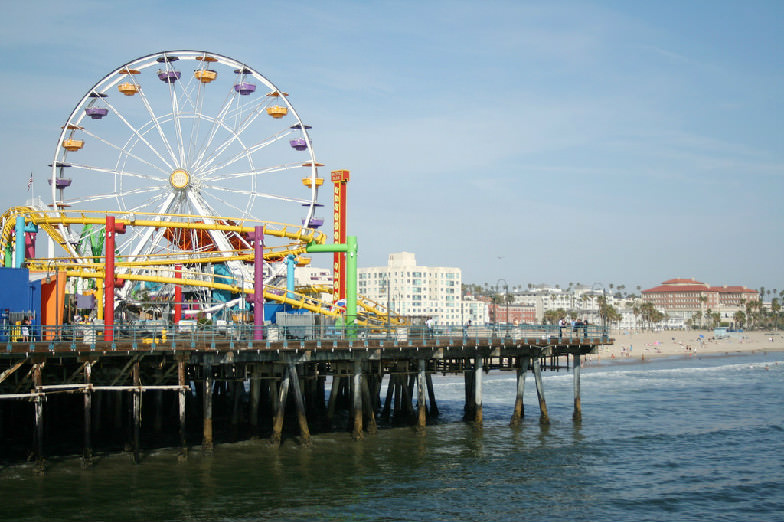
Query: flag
(30, 182)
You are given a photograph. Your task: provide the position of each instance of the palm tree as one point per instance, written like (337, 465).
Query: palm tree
(740, 319)
(636, 311)
(703, 299)
(775, 307)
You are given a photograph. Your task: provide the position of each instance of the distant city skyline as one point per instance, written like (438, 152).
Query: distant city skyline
(617, 142)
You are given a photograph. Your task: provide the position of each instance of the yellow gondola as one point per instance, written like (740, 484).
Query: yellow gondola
(73, 145)
(128, 89)
(205, 75)
(277, 112)
(307, 182)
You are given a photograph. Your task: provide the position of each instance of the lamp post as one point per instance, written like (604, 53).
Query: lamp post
(602, 317)
(506, 297)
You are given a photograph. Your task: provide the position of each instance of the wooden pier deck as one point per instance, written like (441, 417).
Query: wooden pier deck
(190, 388)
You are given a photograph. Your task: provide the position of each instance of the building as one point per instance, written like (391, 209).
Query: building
(476, 309)
(415, 291)
(688, 301)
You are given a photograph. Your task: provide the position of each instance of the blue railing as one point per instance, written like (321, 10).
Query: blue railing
(198, 334)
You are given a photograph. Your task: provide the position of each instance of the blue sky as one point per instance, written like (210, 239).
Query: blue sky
(592, 141)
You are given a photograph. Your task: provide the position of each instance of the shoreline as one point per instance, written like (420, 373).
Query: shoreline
(643, 346)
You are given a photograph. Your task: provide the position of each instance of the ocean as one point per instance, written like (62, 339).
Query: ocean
(661, 440)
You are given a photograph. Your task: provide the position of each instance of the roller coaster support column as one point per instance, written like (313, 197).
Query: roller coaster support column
(257, 236)
(109, 281)
(291, 264)
(350, 248)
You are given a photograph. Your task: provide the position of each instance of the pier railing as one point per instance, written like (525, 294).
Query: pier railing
(139, 335)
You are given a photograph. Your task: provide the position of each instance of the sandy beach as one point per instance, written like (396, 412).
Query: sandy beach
(648, 345)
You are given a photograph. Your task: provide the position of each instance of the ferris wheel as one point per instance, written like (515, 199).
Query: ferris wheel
(186, 135)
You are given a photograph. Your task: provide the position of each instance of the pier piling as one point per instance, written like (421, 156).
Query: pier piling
(519, 407)
(544, 418)
(356, 403)
(478, 391)
(421, 406)
(577, 415)
(207, 443)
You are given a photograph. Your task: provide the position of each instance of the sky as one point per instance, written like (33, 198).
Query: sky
(593, 142)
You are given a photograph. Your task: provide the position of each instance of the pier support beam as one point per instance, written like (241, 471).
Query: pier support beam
(181, 403)
(544, 418)
(369, 408)
(207, 443)
(356, 402)
(280, 409)
(478, 391)
(470, 405)
(577, 415)
(432, 396)
(333, 398)
(255, 398)
(38, 436)
(519, 408)
(421, 406)
(137, 412)
(302, 419)
(87, 450)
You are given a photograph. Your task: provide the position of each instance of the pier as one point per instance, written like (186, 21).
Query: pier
(183, 389)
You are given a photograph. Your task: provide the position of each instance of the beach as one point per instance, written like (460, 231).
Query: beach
(669, 343)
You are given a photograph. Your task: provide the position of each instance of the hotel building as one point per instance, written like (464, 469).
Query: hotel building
(415, 291)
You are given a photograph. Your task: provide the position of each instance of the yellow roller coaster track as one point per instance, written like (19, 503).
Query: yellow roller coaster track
(91, 267)
(48, 219)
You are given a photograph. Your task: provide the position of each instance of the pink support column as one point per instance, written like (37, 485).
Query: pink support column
(257, 236)
(30, 245)
(177, 295)
(108, 285)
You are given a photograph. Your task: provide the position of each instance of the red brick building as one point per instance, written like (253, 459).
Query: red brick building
(685, 297)
(518, 313)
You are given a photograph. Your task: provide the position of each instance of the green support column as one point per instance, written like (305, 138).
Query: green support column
(351, 249)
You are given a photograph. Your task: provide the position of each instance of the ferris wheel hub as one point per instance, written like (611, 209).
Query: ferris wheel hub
(179, 179)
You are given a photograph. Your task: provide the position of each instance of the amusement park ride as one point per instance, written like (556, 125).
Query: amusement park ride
(176, 178)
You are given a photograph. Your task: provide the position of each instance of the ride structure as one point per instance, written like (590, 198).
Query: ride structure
(160, 174)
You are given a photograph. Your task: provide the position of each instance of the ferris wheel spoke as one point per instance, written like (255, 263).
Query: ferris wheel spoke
(215, 127)
(125, 152)
(196, 127)
(249, 173)
(158, 126)
(148, 203)
(144, 238)
(112, 195)
(139, 135)
(260, 195)
(93, 168)
(177, 124)
(246, 153)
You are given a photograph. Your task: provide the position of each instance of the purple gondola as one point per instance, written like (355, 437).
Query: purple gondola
(169, 76)
(61, 182)
(314, 222)
(244, 88)
(96, 113)
(298, 144)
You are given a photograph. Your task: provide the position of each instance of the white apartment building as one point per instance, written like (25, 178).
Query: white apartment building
(415, 291)
(475, 311)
